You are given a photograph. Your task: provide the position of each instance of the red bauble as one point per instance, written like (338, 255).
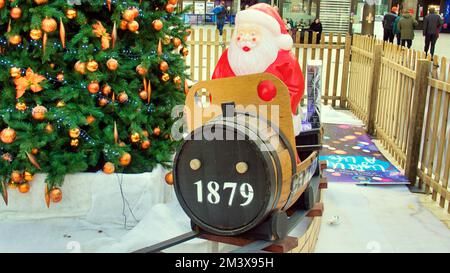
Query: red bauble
(267, 91)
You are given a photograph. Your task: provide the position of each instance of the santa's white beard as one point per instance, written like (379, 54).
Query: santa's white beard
(257, 60)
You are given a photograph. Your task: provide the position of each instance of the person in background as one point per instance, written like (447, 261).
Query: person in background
(388, 25)
(221, 13)
(396, 30)
(316, 26)
(406, 27)
(431, 26)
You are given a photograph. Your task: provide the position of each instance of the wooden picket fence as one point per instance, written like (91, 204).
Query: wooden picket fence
(404, 98)
(206, 47)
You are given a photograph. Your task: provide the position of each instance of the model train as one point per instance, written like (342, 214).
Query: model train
(240, 170)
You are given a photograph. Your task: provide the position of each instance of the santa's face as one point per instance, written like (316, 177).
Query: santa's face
(248, 37)
(252, 49)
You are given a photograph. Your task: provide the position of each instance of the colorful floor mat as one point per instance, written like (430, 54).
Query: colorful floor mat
(353, 157)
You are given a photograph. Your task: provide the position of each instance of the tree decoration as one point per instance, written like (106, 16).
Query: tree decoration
(165, 77)
(114, 36)
(62, 33)
(36, 34)
(49, 128)
(21, 106)
(112, 64)
(160, 49)
(157, 24)
(123, 97)
(15, 39)
(169, 178)
(173, 2)
(141, 70)
(108, 4)
(39, 112)
(133, 26)
(170, 8)
(16, 13)
(106, 90)
(108, 168)
(125, 159)
(40, 2)
(100, 31)
(145, 144)
(60, 77)
(74, 142)
(92, 66)
(176, 42)
(156, 131)
(24, 187)
(56, 195)
(71, 13)
(74, 132)
(2, 4)
(164, 66)
(27, 176)
(8, 135)
(135, 137)
(16, 177)
(184, 51)
(90, 119)
(80, 67)
(93, 87)
(116, 133)
(15, 72)
(30, 81)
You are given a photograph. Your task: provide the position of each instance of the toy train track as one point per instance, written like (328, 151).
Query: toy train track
(246, 245)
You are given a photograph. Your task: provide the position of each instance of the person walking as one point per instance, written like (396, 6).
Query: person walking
(221, 13)
(316, 26)
(431, 26)
(388, 25)
(397, 31)
(406, 27)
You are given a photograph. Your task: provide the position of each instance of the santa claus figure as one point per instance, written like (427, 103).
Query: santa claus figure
(261, 43)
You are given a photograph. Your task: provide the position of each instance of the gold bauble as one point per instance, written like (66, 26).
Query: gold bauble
(145, 144)
(169, 178)
(80, 67)
(176, 42)
(40, 2)
(49, 128)
(90, 119)
(135, 12)
(157, 131)
(7, 157)
(165, 77)
(16, 13)
(15, 72)
(60, 77)
(135, 137)
(173, 2)
(141, 70)
(71, 13)
(36, 34)
(15, 39)
(128, 15)
(39, 112)
(177, 80)
(133, 26)
(60, 104)
(24, 187)
(125, 160)
(103, 102)
(35, 151)
(56, 195)
(145, 133)
(184, 51)
(74, 132)
(92, 66)
(8, 135)
(164, 66)
(2, 4)
(16, 177)
(166, 40)
(27, 176)
(74, 142)
(106, 90)
(123, 25)
(108, 168)
(21, 106)
(93, 87)
(112, 64)
(49, 25)
(123, 97)
(143, 95)
(157, 24)
(170, 8)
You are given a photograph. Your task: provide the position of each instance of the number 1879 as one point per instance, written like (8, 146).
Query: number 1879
(213, 196)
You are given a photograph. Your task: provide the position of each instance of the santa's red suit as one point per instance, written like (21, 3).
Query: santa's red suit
(285, 67)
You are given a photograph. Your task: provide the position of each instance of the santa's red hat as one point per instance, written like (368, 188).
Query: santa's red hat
(266, 16)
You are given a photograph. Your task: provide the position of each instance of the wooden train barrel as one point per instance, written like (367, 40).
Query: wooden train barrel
(233, 172)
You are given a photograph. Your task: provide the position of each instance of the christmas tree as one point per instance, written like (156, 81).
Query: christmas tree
(87, 85)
